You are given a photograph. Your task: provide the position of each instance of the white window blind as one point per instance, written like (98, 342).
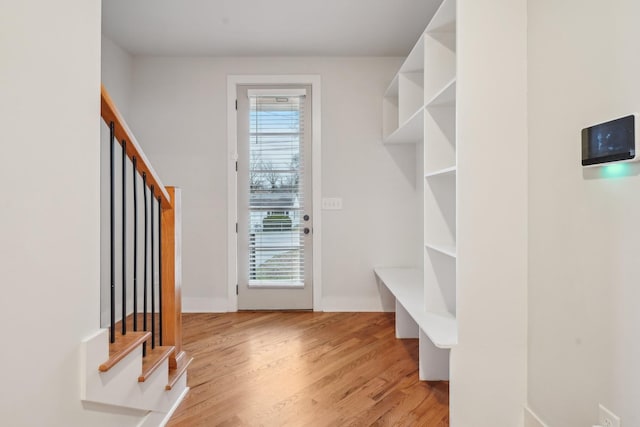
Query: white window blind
(276, 199)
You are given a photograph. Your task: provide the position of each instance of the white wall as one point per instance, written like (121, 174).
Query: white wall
(488, 366)
(584, 245)
(178, 112)
(49, 81)
(117, 74)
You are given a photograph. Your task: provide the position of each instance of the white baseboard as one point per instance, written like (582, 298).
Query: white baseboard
(204, 305)
(167, 417)
(345, 304)
(531, 419)
(160, 419)
(335, 304)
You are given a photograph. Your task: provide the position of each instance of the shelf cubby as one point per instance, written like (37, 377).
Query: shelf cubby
(409, 132)
(440, 49)
(444, 20)
(410, 94)
(440, 136)
(438, 76)
(440, 210)
(445, 96)
(439, 282)
(415, 59)
(403, 101)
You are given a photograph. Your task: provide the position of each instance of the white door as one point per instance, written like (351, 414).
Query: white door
(275, 228)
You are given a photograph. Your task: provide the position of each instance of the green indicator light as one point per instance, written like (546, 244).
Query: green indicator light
(615, 170)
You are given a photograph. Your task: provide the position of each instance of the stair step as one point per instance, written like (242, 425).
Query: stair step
(124, 345)
(175, 373)
(153, 360)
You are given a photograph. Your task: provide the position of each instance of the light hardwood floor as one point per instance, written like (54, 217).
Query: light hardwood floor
(305, 369)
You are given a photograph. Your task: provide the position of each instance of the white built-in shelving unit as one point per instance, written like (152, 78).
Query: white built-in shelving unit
(419, 107)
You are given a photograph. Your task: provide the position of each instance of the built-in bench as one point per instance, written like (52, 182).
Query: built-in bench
(437, 331)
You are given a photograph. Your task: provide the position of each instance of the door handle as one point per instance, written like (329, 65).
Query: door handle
(306, 230)
(306, 217)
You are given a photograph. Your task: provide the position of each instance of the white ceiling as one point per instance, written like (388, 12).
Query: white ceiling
(266, 27)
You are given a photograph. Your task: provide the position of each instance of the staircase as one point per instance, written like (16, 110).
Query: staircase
(137, 365)
(117, 375)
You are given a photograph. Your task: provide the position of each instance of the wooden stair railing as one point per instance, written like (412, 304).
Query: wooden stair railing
(170, 216)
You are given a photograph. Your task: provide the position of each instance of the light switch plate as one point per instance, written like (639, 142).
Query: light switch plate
(331, 203)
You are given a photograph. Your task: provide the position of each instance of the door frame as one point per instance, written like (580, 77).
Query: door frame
(232, 183)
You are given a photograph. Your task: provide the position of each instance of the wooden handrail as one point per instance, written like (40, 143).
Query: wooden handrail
(109, 114)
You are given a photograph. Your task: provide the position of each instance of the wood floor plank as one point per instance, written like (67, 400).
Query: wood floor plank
(305, 369)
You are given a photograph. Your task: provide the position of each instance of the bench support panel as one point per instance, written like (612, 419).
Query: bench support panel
(406, 327)
(434, 361)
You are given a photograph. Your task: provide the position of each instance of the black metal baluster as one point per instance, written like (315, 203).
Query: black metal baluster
(145, 291)
(112, 329)
(159, 271)
(135, 244)
(124, 237)
(153, 272)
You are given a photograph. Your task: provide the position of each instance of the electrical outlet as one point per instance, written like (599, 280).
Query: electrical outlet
(606, 418)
